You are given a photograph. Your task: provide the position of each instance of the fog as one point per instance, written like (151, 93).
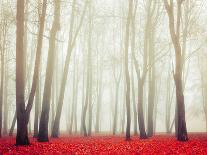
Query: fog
(95, 33)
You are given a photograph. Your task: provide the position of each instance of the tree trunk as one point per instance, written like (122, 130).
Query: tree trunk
(3, 85)
(127, 71)
(151, 104)
(71, 43)
(73, 97)
(168, 109)
(175, 37)
(53, 99)
(37, 60)
(37, 107)
(116, 108)
(22, 135)
(151, 93)
(99, 100)
(83, 95)
(5, 129)
(140, 111)
(132, 69)
(182, 131)
(123, 107)
(43, 126)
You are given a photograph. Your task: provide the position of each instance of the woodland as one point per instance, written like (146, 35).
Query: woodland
(103, 76)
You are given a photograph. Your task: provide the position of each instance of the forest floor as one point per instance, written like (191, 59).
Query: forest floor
(104, 145)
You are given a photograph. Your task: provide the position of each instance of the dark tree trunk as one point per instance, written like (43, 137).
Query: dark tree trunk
(37, 107)
(181, 129)
(176, 120)
(22, 135)
(175, 37)
(43, 125)
(140, 111)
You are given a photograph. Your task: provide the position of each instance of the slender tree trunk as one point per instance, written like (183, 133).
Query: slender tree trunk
(37, 107)
(127, 71)
(141, 77)
(90, 74)
(73, 97)
(99, 100)
(43, 125)
(175, 36)
(116, 106)
(13, 124)
(83, 95)
(132, 70)
(5, 129)
(151, 104)
(140, 111)
(37, 60)
(3, 54)
(123, 108)
(71, 43)
(53, 101)
(2, 86)
(151, 93)
(167, 115)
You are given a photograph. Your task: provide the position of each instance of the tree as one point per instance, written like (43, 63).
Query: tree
(5, 122)
(142, 76)
(22, 112)
(2, 71)
(71, 44)
(153, 19)
(74, 97)
(88, 98)
(175, 37)
(22, 135)
(37, 107)
(37, 59)
(169, 100)
(117, 85)
(127, 78)
(43, 125)
(132, 68)
(99, 96)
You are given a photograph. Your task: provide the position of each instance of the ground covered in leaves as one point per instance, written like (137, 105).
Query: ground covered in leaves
(104, 145)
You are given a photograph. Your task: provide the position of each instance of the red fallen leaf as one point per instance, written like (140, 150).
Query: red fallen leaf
(108, 145)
